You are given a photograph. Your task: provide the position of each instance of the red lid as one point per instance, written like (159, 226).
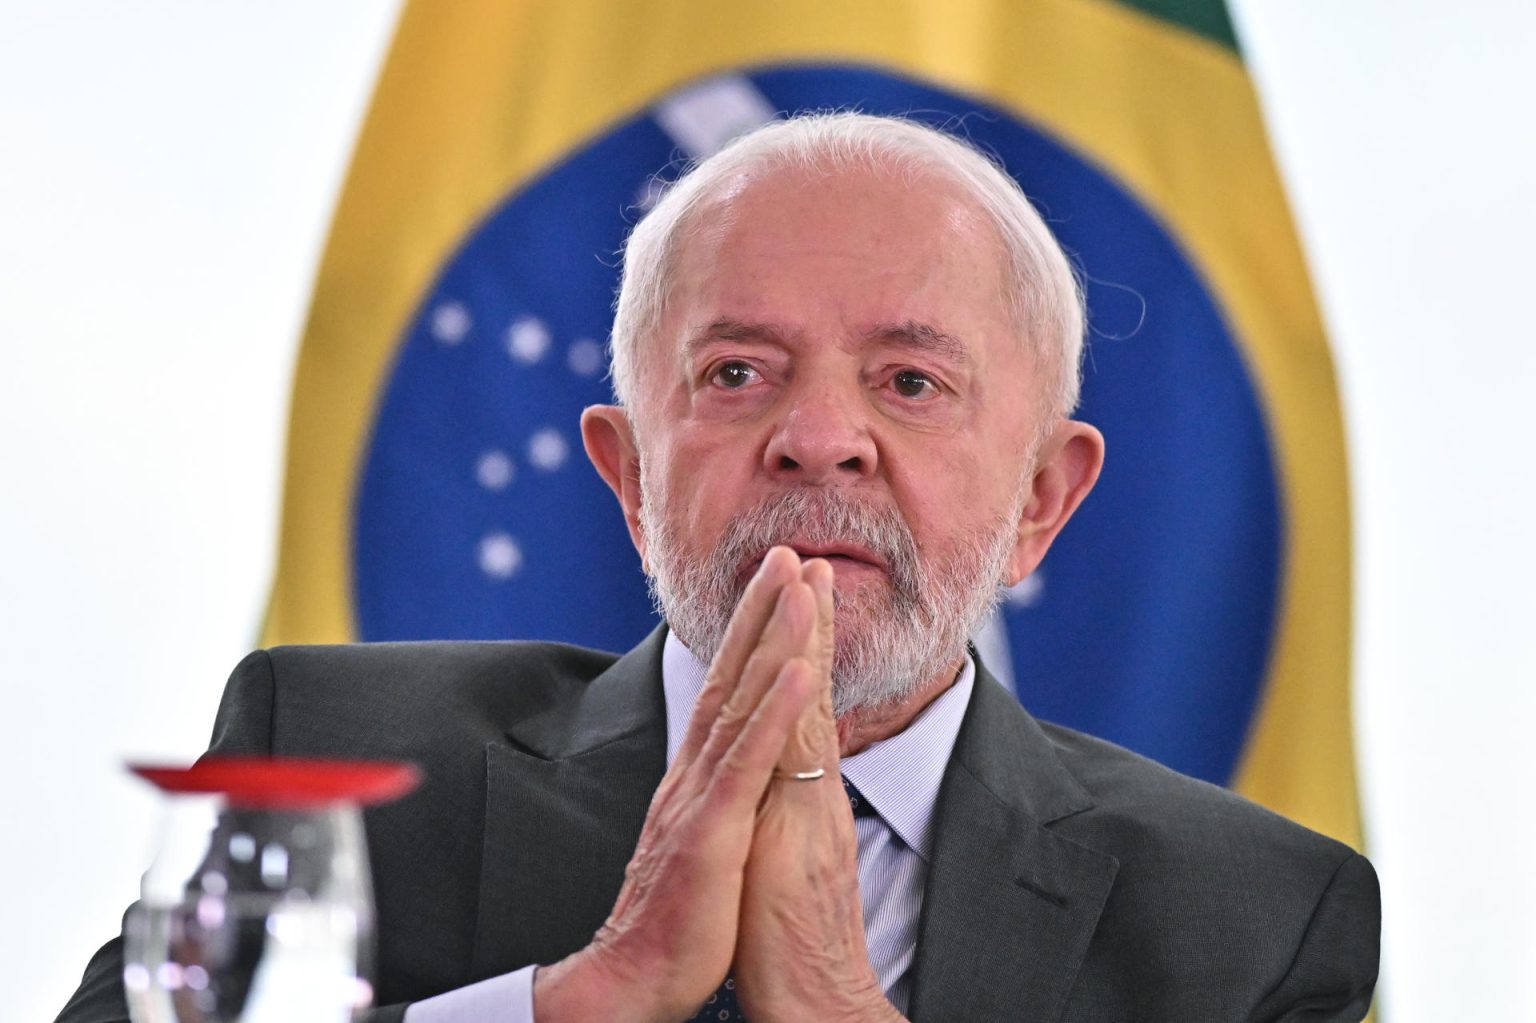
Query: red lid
(286, 782)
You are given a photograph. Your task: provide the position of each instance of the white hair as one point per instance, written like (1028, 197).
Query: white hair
(1045, 297)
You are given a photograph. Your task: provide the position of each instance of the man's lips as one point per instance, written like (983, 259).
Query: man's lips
(843, 557)
(839, 552)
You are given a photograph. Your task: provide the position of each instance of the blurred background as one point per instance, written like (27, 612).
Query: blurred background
(167, 179)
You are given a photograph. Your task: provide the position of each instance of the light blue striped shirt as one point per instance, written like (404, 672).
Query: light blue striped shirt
(898, 776)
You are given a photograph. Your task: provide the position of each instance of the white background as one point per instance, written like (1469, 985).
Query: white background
(166, 176)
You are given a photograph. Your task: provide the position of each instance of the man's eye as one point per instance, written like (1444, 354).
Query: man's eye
(909, 383)
(733, 375)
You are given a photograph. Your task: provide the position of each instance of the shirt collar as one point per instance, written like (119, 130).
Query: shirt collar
(899, 776)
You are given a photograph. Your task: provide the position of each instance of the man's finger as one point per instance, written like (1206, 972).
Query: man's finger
(818, 574)
(756, 606)
(785, 636)
(812, 743)
(746, 769)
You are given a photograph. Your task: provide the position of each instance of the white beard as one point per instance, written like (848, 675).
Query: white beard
(890, 642)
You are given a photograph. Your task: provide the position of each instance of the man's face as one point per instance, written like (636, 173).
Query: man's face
(838, 371)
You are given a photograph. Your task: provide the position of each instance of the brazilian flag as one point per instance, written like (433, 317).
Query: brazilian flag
(1196, 610)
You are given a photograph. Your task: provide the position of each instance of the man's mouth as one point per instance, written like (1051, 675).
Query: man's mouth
(840, 554)
(849, 561)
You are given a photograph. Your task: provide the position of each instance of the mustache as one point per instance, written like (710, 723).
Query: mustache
(821, 517)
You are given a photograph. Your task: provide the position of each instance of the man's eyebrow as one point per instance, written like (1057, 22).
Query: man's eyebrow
(924, 338)
(921, 337)
(726, 329)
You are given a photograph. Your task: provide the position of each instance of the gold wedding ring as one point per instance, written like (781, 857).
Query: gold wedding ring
(800, 775)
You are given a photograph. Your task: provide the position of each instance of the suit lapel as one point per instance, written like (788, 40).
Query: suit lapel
(566, 796)
(1009, 905)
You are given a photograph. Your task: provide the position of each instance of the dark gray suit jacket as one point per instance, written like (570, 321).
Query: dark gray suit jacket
(1070, 880)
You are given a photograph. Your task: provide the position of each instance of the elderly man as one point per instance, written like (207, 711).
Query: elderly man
(846, 349)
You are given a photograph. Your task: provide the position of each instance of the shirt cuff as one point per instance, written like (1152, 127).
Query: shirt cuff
(504, 999)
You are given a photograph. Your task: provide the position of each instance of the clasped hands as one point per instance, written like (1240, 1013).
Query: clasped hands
(738, 871)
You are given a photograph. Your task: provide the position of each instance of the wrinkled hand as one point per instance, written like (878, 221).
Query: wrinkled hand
(800, 951)
(668, 943)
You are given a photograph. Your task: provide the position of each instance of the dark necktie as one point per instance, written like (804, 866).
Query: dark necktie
(722, 1007)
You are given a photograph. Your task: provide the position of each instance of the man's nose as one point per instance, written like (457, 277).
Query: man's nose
(822, 434)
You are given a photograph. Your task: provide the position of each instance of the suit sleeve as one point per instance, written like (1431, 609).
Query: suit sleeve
(1333, 974)
(243, 726)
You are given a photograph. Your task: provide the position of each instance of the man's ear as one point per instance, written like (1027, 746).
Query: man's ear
(609, 439)
(1068, 466)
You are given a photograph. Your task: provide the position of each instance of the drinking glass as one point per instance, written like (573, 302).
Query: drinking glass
(258, 906)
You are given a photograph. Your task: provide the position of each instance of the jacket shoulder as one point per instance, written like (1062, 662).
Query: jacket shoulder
(1146, 809)
(1246, 898)
(429, 669)
(1217, 902)
(389, 699)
